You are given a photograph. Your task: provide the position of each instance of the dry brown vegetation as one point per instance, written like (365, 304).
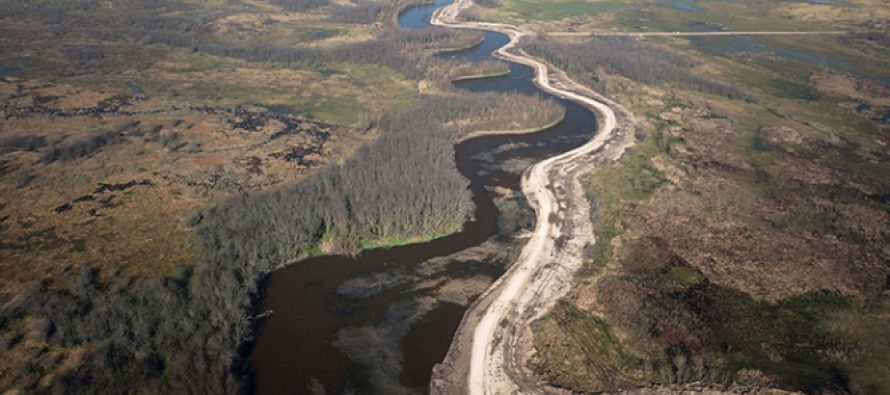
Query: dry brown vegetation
(99, 236)
(739, 244)
(96, 187)
(133, 156)
(668, 15)
(59, 217)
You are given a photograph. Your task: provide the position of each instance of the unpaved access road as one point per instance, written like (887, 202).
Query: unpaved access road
(698, 34)
(494, 341)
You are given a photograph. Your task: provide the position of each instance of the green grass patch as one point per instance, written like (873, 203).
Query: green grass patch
(684, 275)
(553, 10)
(782, 338)
(631, 178)
(634, 177)
(868, 330)
(499, 73)
(314, 251)
(400, 240)
(329, 109)
(665, 142)
(787, 89)
(878, 170)
(575, 348)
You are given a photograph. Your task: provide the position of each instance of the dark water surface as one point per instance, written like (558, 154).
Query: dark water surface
(295, 345)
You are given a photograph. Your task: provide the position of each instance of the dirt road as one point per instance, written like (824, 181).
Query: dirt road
(494, 340)
(696, 34)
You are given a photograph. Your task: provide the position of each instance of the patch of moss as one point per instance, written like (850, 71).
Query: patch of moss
(792, 90)
(79, 245)
(633, 178)
(685, 275)
(783, 339)
(395, 241)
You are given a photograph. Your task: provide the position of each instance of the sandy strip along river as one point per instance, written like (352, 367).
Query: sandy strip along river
(494, 341)
(385, 340)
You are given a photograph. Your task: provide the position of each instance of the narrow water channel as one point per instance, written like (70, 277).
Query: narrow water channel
(327, 333)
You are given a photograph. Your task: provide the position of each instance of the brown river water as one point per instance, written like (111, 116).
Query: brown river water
(360, 323)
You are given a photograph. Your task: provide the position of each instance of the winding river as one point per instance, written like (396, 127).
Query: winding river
(296, 349)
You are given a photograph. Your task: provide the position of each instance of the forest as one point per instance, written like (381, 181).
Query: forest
(638, 60)
(144, 22)
(388, 50)
(299, 5)
(405, 183)
(188, 330)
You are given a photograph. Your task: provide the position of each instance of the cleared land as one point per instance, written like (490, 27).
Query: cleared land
(743, 240)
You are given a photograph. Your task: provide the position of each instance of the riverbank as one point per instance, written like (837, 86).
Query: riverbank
(481, 76)
(396, 241)
(341, 337)
(493, 342)
(481, 133)
(461, 48)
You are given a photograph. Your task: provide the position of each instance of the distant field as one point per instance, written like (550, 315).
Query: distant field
(158, 159)
(335, 92)
(744, 238)
(529, 9)
(687, 15)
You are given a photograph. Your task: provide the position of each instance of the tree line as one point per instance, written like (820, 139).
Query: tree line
(362, 12)
(392, 49)
(640, 61)
(185, 332)
(155, 22)
(405, 183)
(299, 5)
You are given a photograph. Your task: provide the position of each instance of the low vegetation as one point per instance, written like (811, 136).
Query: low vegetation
(300, 5)
(157, 161)
(362, 12)
(682, 15)
(81, 148)
(637, 60)
(151, 187)
(232, 55)
(742, 239)
(185, 328)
